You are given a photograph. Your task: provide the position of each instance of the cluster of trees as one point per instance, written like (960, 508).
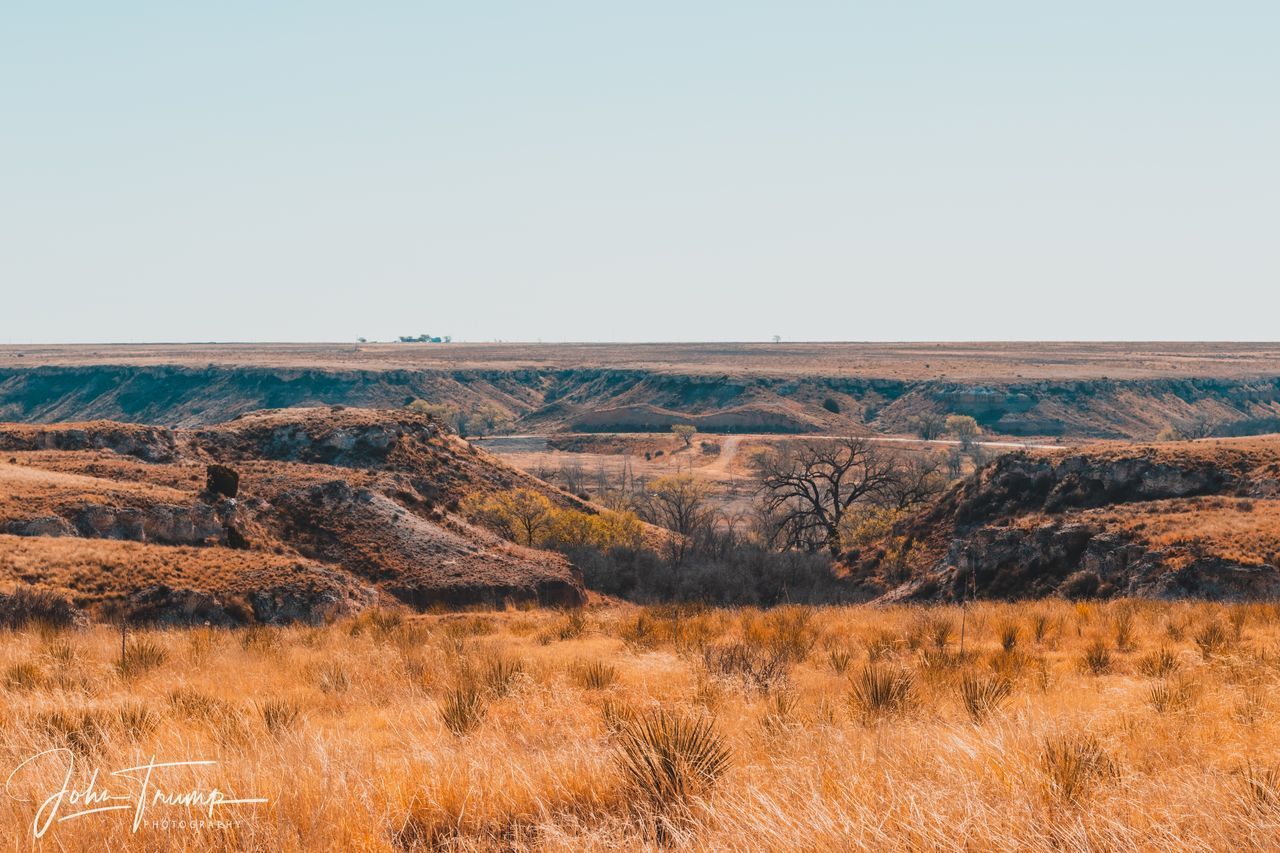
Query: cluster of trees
(817, 501)
(963, 428)
(425, 339)
(1188, 430)
(830, 493)
(485, 419)
(530, 518)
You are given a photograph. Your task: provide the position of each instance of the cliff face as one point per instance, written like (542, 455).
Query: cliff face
(1187, 519)
(274, 516)
(599, 399)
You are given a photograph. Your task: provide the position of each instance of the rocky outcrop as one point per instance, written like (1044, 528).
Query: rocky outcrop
(1025, 482)
(324, 511)
(1030, 525)
(421, 561)
(148, 443)
(222, 480)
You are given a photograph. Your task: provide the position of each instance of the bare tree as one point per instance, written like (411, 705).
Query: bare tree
(919, 478)
(680, 504)
(1195, 428)
(808, 487)
(572, 476)
(929, 426)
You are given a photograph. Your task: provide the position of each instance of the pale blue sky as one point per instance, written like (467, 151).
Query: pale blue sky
(642, 171)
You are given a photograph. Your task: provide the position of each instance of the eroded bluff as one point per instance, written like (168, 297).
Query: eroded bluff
(1167, 521)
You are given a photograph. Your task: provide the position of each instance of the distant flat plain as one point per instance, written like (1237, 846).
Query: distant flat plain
(968, 362)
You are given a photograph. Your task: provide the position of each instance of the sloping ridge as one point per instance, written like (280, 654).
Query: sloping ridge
(637, 399)
(1198, 519)
(335, 509)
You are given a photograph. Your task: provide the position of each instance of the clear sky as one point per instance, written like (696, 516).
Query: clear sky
(639, 171)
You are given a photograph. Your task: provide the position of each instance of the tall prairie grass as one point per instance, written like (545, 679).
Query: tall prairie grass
(1107, 726)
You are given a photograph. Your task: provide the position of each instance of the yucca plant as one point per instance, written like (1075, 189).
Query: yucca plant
(1096, 658)
(142, 655)
(1040, 628)
(463, 707)
(137, 720)
(1158, 664)
(881, 646)
(1171, 695)
(1123, 624)
(500, 674)
(574, 624)
(617, 714)
(780, 710)
(83, 731)
(1073, 765)
(1213, 639)
(669, 758)
(279, 715)
(983, 694)
(940, 630)
(1009, 633)
(595, 675)
(839, 660)
(882, 691)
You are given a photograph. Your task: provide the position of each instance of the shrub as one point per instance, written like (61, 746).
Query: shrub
(331, 677)
(463, 707)
(983, 695)
(756, 668)
(1073, 765)
(1171, 695)
(596, 675)
(25, 675)
(1158, 664)
(28, 605)
(882, 691)
(839, 660)
(500, 674)
(668, 758)
(1213, 639)
(279, 715)
(529, 518)
(1096, 658)
(141, 655)
(831, 405)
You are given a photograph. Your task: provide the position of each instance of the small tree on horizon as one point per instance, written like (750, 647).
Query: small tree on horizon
(685, 432)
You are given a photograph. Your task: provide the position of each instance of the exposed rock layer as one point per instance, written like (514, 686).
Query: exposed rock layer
(334, 509)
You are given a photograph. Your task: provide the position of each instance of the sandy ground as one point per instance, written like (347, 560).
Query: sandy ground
(958, 361)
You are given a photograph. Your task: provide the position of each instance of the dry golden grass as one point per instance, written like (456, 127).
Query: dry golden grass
(1240, 530)
(629, 728)
(91, 571)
